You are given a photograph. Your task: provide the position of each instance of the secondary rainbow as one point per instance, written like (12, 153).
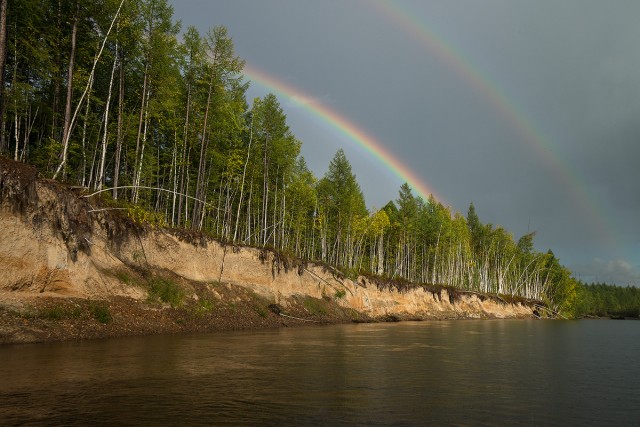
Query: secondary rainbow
(518, 120)
(344, 126)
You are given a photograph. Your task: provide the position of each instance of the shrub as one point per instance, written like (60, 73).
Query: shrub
(142, 216)
(262, 312)
(101, 313)
(166, 291)
(203, 306)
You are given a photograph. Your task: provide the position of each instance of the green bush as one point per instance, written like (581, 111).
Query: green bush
(142, 216)
(203, 306)
(166, 291)
(101, 313)
(206, 304)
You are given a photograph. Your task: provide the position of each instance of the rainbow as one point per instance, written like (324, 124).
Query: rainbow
(345, 127)
(474, 78)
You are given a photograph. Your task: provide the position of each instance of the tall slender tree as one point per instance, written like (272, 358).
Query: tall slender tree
(222, 72)
(3, 57)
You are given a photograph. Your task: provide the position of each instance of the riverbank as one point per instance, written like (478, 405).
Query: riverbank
(175, 305)
(76, 269)
(25, 318)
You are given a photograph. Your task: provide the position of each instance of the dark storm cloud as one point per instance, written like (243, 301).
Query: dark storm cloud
(569, 68)
(612, 271)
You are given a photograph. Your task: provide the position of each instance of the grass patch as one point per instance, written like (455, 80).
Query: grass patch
(123, 277)
(354, 314)
(340, 293)
(59, 313)
(203, 306)
(314, 306)
(351, 273)
(260, 304)
(262, 311)
(166, 291)
(206, 304)
(100, 312)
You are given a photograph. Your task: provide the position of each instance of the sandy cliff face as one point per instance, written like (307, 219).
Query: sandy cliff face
(53, 243)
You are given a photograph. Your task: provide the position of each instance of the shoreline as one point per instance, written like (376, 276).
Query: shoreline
(49, 318)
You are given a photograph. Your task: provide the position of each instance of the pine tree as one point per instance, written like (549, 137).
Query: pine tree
(343, 202)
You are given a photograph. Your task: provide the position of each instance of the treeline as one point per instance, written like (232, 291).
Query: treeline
(110, 96)
(602, 300)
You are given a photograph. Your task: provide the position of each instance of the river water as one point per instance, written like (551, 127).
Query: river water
(503, 372)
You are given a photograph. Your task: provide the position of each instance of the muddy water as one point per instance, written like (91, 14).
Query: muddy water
(425, 373)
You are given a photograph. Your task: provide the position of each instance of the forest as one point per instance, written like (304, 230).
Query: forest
(117, 97)
(602, 300)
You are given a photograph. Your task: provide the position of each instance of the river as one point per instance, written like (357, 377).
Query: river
(503, 372)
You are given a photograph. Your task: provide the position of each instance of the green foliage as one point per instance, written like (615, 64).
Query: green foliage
(341, 190)
(260, 304)
(100, 312)
(561, 290)
(205, 305)
(142, 216)
(407, 209)
(124, 277)
(262, 311)
(341, 204)
(315, 306)
(95, 310)
(59, 312)
(166, 291)
(339, 294)
(607, 300)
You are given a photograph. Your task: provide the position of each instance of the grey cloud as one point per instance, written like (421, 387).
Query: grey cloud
(616, 271)
(567, 68)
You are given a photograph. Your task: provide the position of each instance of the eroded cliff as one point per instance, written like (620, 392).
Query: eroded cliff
(57, 247)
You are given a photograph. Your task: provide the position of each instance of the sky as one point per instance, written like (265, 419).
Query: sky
(528, 109)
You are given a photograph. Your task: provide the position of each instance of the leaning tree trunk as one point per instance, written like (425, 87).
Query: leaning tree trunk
(67, 109)
(198, 206)
(244, 174)
(141, 122)
(138, 173)
(184, 170)
(116, 168)
(103, 155)
(65, 140)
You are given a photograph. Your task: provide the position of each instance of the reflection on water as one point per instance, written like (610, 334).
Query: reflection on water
(461, 372)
